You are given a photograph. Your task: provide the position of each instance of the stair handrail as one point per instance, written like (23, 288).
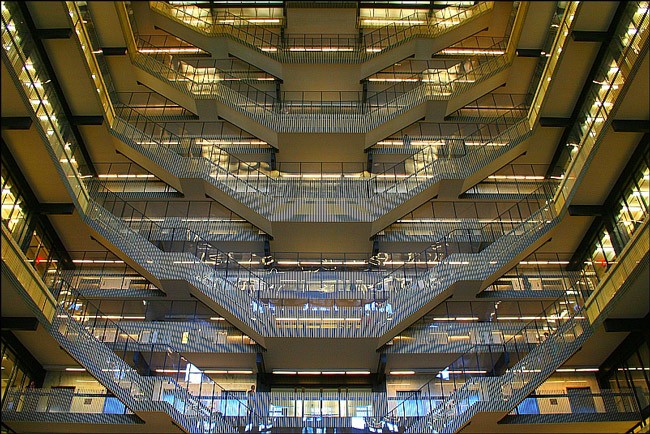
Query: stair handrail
(270, 42)
(426, 155)
(579, 327)
(53, 119)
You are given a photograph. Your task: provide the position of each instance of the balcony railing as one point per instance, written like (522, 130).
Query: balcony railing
(323, 48)
(500, 382)
(57, 406)
(605, 402)
(149, 256)
(304, 410)
(316, 111)
(174, 153)
(140, 394)
(144, 253)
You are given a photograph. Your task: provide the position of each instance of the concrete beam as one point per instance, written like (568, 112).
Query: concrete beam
(631, 126)
(16, 123)
(586, 210)
(623, 324)
(554, 122)
(589, 36)
(56, 208)
(53, 33)
(16, 323)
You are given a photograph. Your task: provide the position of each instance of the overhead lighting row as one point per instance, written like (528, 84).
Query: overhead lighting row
(310, 372)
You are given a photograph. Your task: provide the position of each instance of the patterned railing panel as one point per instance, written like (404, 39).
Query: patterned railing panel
(245, 304)
(607, 404)
(503, 393)
(324, 48)
(385, 190)
(28, 402)
(442, 337)
(134, 391)
(482, 393)
(191, 337)
(339, 112)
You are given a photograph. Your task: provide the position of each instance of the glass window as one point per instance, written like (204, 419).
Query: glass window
(13, 376)
(14, 215)
(602, 254)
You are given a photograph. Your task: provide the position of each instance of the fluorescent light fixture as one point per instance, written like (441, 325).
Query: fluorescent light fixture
(402, 372)
(327, 49)
(386, 22)
(576, 370)
(531, 177)
(264, 20)
(171, 50)
(465, 51)
(110, 175)
(75, 369)
(379, 79)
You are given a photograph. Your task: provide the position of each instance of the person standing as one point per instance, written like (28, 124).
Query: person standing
(406, 141)
(250, 404)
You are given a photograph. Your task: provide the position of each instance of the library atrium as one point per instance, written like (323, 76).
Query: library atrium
(325, 217)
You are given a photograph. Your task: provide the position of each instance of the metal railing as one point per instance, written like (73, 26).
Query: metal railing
(136, 392)
(130, 180)
(302, 410)
(174, 264)
(255, 306)
(518, 366)
(187, 395)
(322, 48)
(192, 385)
(65, 406)
(154, 105)
(475, 392)
(55, 131)
(251, 181)
(458, 337)
(491, 106)
(181, 156)
(560, 402)
(61, 401)
(327, 111)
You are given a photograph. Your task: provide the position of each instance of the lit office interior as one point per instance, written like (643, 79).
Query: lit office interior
(387, 216)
